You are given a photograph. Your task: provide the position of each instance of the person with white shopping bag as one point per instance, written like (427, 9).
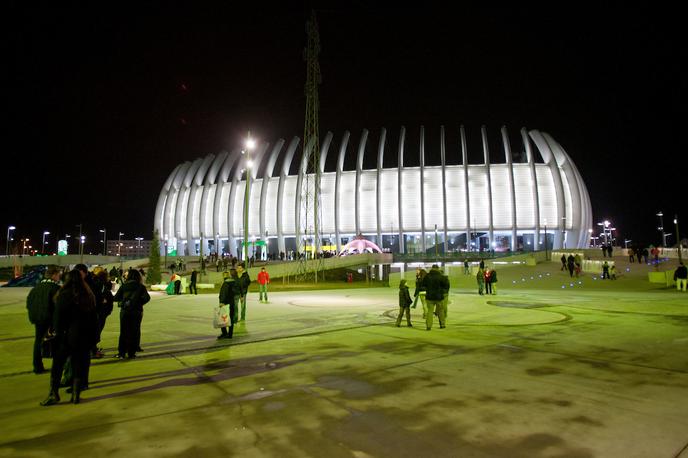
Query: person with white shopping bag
(225, 312)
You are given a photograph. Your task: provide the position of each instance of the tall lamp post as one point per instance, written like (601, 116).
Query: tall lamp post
(660, 228)
(605, 227)
(104, 232)
(678, 238)
(166, 252)
(563, 231)
(138, 247)
(119, 248)
(81, 243)
(250, 144)
(43, 244)
(7, 246)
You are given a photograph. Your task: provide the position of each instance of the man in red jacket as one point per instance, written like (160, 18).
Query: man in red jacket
(263, 280)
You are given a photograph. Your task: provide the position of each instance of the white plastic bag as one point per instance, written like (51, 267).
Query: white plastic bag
(221, 319)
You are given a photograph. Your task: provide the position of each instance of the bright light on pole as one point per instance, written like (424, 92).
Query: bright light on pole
(7, 246)
(104, 232)
(119, 248)
(44, 242)
(661, 228)
(250, 144)
(678, 238)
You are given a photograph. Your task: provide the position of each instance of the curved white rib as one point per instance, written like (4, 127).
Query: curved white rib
(338, 176)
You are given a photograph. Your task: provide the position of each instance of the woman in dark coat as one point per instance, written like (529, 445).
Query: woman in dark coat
(131, 298)
(404, 304)
(76, 330)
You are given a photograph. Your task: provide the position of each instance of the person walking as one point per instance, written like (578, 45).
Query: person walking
(631, 255)
(563, 262)
(436, 284)
(132, 296)
(192, 284)
(227, 297)
(40, 304)
(466, 267)
(493, 281)
(104, 303)
(76, 326)
(681, 277)
(571, 264)
(578, 261)
(244, 282)
(488, 281)
(263, 280)
(605, 270)
(419, 292)
(610, 250)
(236, 288)
(604, 250)
(404, 304)
(480, 278)
(612, 272)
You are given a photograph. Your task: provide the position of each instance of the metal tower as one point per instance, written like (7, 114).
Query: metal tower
(309, 223)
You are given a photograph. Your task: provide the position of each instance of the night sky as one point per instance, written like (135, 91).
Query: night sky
(105, 99)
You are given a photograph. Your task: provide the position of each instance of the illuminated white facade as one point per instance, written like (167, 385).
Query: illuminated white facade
(502, 205)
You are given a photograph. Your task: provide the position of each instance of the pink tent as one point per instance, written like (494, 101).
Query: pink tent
(359, 245)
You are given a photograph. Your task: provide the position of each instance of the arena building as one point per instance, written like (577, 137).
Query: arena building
(522, 204)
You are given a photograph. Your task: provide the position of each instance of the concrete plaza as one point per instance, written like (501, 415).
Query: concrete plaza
(548, 367)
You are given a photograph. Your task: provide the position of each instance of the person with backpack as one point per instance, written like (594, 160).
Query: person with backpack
(40, 303)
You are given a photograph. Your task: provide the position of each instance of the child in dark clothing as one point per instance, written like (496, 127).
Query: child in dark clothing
(404, 304)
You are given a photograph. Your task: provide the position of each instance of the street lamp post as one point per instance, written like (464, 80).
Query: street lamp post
(104, 231)
(165, 252)
(661, 228)
(43, 244)
(250, 144)
(563, 231)
(81, 243)
(138, 248)
(119, 248)
(678, 238)
(7, 246)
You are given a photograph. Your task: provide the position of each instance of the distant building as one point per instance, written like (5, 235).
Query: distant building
(523, 201)
(129, 248)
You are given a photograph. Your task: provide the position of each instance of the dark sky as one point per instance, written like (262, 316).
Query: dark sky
(103, 100)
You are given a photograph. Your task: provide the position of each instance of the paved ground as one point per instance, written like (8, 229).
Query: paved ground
(598, 369)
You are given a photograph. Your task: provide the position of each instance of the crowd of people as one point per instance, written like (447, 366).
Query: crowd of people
(69, 311)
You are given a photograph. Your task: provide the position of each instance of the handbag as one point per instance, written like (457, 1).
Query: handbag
(47, 346)
(221, 319)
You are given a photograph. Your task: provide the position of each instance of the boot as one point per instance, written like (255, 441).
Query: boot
(76, 391)
(53, 396)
